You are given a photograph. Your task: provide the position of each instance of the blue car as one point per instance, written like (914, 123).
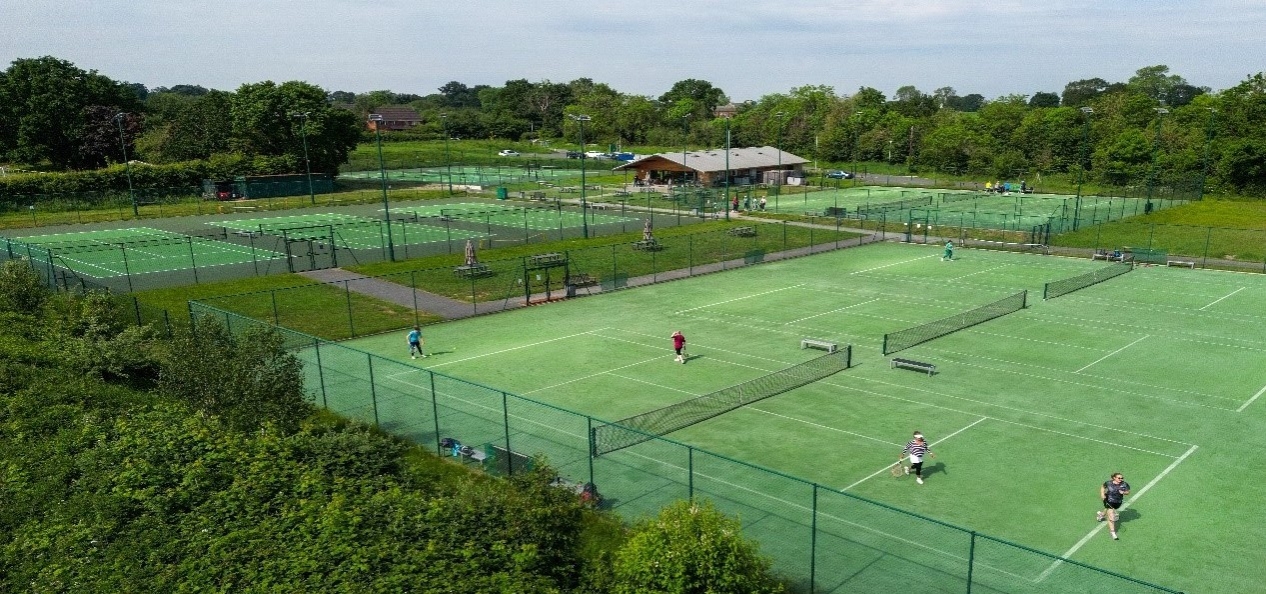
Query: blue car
(837, 174)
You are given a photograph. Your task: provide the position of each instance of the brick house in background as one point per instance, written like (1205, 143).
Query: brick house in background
(395, 117)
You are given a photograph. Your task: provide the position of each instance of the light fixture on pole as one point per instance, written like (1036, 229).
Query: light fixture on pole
(780, 115)
(448, 161)
(1208, 139)
(1081, 165)
(584, 213)
(727, 170)
(118, 119)
(685, 136)
(1151, 179)
(307, 163)
(376, 118)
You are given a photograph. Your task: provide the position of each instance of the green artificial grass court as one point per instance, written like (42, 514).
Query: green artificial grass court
(349, 231)
(468, 174)
(138, 250)
(1155, 373)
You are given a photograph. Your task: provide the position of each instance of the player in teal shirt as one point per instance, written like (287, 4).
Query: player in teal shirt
(415, 343)
(949, 251)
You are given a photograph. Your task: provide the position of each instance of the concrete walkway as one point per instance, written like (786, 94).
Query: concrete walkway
(451, 309)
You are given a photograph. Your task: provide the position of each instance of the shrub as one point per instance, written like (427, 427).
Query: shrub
(21, 288)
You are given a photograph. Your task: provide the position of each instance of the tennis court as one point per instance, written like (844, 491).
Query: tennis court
(138, 250)
(469, 174)
(1154, 373)
(346, 231)
(536, 219)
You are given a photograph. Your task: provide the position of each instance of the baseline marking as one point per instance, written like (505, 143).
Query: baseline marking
(1085, 539)
(1113, 353)
(1221, 298)
(1250, 400)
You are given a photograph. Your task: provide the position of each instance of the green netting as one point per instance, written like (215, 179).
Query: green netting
(870, 210)
(909, 337)
(639, 428)
(1149, 256)
(1081, 281)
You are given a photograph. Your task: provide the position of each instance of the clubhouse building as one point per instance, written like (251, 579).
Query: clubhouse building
(751, 165)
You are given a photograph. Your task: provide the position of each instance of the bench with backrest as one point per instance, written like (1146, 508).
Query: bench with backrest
(912, 364)
(1188, 263)
(818, 343)
(472, 270)
(743, 231)
(583, 279)
(648, 245)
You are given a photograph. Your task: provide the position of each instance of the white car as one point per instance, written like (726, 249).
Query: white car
(595, 155)
(508, 153)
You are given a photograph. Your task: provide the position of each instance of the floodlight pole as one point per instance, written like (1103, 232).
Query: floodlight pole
(685, 136)
(1081, 167)
(127, 165)
(376, 118)
(448, 161)
(780, 115)
(307, 163)
(584, 213)
(727, 168)
(857, 141)
(1208, 139)
(1151, 179)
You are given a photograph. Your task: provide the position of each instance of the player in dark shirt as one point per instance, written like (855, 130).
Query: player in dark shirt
(1113, 494)
(917, 448)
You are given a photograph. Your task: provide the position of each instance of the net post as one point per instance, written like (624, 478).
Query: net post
(885, 347)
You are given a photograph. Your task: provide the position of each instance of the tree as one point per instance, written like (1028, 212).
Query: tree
(1044, 99)
(1080, 92)
(968, 104)
(247, 381)
(186, 90)
(45, 100)
(1154, 82)
(706, 97)
(264, 123)
(21, 288)
(457, 95)
(691, 547)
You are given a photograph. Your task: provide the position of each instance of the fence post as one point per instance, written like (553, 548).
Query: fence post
(690, 255)
(316, 346)
(592, 446)
(813, 540)
(276, 315)
(1208, 238)
(505, 421)
(435, 412)
(615, 268)
(971, 559)
(347, 291)
(690, 472)
(373, 388)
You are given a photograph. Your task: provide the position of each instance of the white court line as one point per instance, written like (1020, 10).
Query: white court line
(831, 312)
(893, 264)
(738, 299)
(885, 468)
(1113, 353)
(585, 377)
(633, 379)
(1134, 497)
(957, 278)
(1250, 400)
(826, 427)
(517, 348)
(1221, 298)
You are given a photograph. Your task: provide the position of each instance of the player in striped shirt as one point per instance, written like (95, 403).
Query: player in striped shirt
(917, 448)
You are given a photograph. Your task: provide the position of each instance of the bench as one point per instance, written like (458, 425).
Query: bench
(536, 196)
(568, 189)
(245, 208)
(826, 345)
(743, 231)
(1188, 263)
(649, 245)
(550, 259)
(915, 365)
(247, 233)
(622, 194)
(474, 455)
(583, 279)
(472, 271)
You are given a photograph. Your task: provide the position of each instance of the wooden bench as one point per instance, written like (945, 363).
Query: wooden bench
(1105, 255)
(826, 345)
(536, 196)
(1188, 263)
(649, 245)
(472, 271)
(550, 259)
(915, 365)
(583, 279)
(743, 231)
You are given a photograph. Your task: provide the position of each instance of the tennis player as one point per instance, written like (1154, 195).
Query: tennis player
(679, 345)
(917, 448)
(415, 343)
(949, 251)
(1113, 493)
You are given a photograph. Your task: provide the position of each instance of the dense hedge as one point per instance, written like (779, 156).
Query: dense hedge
(31, 188)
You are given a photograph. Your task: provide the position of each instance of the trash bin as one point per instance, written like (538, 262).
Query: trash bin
(501, 194)
(570, 290)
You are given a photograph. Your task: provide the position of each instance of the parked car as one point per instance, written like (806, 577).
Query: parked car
(574, 154)
(595, 155)
(508, 153)
(837, 174)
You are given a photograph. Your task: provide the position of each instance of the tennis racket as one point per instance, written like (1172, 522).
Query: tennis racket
(897, 471)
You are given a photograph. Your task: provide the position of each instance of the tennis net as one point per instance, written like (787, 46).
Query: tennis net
(647, 426)
(909, 337)
(107, 245)
(339, 223)
(1081, 281)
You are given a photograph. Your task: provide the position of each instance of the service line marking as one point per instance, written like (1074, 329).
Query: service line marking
(1221, 298)
(1145, 336)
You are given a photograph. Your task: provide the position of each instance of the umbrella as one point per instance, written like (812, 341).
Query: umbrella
(646, 232)
(471, 260)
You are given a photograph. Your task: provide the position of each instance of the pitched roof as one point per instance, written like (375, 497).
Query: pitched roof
(711, 160)
(398, 113)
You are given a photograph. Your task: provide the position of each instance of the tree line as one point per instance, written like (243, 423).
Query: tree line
(1156, 123)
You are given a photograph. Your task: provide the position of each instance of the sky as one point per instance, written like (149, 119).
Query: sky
(747, 48)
